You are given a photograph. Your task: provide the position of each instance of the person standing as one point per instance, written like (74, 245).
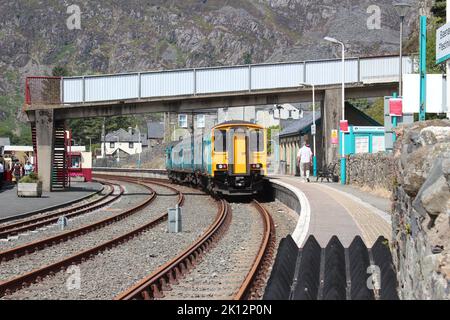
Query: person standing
(17, 171)
(2, 173)
(304, 157)
(28, 168)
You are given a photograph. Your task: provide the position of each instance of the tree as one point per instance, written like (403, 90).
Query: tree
(248, 58)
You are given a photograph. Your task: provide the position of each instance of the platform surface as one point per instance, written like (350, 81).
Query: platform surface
(343, 211)
(11, 205)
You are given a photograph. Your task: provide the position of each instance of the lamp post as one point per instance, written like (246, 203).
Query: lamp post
(402, 9)
(343, 170)
(314, 124)
(140, 144)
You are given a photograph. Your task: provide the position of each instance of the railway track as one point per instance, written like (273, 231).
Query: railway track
(168, 276)
(46, 219)
(9, 286)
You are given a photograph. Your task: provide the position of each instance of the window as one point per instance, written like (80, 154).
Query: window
(131, 145)
(76, 162)
(182, 120)
(111, 145)
(200, 121)
(220, 140)
(257, 140)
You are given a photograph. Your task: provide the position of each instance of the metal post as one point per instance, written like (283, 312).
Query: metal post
(343, 169)
(394, 120)
(314, 135)
(447, 64)
(400, 84)
(140, 143)
(423, 67)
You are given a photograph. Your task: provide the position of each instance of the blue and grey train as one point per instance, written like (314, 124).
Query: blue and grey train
(231, 159)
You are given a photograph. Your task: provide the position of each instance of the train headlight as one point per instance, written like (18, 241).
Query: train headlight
(256, 166)
(222, 167)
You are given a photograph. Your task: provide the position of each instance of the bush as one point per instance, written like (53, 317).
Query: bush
(31, 178)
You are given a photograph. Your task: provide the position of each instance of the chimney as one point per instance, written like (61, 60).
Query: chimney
(130, 131)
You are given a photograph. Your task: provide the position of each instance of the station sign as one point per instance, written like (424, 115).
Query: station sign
(396, 107)
(313, 129)
(443, 43)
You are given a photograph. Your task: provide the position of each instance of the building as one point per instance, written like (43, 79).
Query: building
(266, 116)
(181, 125)
(155, 133)
(296, 132)
(4, 142)
(123, 143)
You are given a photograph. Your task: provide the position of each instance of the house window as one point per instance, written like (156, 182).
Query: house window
(290, 114)
(182, 120)
(200, 121)
(131, 145)
(111, 145)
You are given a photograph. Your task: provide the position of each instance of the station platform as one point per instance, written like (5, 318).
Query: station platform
(329, 209)
(11, 206)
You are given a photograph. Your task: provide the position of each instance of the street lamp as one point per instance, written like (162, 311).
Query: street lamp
(314, 124)
(333, 40)
(140, 144)
(402, 9)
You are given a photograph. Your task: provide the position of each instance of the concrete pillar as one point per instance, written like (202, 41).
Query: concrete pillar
(331, 115)
(44, 139)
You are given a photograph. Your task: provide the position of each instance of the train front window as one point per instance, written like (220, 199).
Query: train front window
(76, 161)
(220, 140)
(256, 140)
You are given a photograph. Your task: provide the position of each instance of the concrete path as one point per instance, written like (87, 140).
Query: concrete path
(336, 212)
(11, 205)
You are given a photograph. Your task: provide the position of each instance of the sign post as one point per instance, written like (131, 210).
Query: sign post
(423, 67)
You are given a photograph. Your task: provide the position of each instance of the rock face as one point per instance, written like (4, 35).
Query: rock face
(375, 171)
(135, 35)
(421, 210)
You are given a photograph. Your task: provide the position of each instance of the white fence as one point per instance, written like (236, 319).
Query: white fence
(219, 80)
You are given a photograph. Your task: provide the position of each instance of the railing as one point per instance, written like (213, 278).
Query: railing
(214, 80)
(43, 90)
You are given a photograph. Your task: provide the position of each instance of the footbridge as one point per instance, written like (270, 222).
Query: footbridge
(51, 100)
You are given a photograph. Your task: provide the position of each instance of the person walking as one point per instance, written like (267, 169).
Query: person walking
(17, 171)
(28, 168)
(2, 173)
(304, 157)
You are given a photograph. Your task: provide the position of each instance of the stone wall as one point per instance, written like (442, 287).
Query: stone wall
(421, 210)
(374, 171)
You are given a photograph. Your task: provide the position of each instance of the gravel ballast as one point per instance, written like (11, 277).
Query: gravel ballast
(116, 269)
(135, 194)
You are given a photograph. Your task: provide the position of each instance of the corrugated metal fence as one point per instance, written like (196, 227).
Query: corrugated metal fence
(220, 80)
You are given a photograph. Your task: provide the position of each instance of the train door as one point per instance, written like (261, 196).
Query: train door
(240, 151)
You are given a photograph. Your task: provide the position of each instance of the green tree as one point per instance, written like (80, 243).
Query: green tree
(247, 58)
(376, 110)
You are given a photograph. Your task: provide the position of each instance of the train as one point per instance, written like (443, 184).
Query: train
(230, 159)
(79, 164)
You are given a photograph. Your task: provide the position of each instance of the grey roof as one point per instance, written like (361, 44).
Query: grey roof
(122, 135)
(301, 125)
(155, 130)
(5, 142)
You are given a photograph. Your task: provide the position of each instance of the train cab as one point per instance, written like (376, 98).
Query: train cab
(239, 157)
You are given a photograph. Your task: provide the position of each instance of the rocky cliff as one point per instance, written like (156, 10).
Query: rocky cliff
(120, 36)
(421, 210)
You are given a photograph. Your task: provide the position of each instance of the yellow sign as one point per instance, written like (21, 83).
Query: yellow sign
(334, 137)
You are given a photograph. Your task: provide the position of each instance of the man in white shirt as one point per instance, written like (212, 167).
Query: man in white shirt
(2, 170)
(304, 157)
